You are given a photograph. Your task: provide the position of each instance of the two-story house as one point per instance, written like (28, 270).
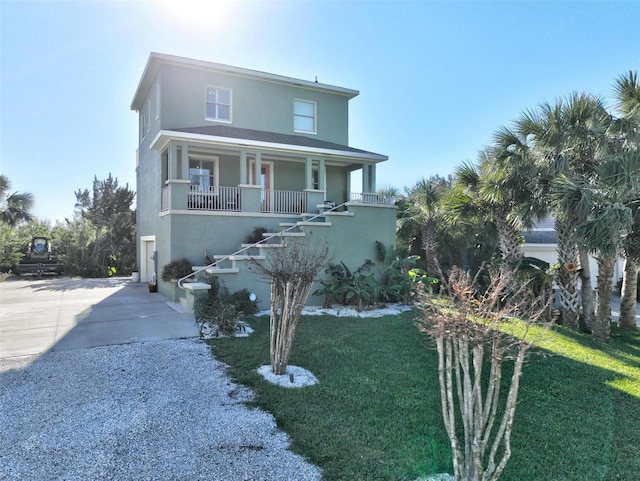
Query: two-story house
(224, 150)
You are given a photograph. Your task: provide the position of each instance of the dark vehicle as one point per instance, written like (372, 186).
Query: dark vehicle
(39, 259)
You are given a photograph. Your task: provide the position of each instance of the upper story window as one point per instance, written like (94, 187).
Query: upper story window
(218, 104)
(304, 116)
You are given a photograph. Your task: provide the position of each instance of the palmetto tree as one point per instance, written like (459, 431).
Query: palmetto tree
(568, 135)
(14, 207)
(606, 202)
(427, 212)
(626, 129)
(489, 192)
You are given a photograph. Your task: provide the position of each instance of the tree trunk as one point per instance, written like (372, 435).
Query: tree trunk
(567, 280)
(586, 290)
(629, 294)
(601, 328)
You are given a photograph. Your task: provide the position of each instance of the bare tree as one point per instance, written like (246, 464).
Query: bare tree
(291, 272)
(471, 334)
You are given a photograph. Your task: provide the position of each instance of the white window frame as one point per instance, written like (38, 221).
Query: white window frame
(314, 118)
(206, 102)
(216, 169)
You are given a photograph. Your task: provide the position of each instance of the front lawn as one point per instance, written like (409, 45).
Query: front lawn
(375, 415)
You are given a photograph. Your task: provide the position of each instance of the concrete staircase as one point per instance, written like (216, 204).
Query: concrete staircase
(236, 263)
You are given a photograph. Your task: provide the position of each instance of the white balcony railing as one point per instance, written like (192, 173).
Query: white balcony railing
(284, 201)
(365, 198)
(214, 198)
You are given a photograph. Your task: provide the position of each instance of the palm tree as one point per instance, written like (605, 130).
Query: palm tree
(627, 130)
(567, 136)
(606, 202)
(492, 191)
(14, 207)
(427, 212)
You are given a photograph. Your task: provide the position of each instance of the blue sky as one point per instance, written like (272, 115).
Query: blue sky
(436, 79)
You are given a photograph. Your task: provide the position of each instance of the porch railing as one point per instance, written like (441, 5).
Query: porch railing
(214, 198)
(284, 201)
(365, 198)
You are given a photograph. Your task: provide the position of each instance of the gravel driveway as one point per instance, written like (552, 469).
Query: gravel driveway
(160, 410)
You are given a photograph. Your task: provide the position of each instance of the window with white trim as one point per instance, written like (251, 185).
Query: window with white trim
(218, 104)
(304, 116)
(203, 174)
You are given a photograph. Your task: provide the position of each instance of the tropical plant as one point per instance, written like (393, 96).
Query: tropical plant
(395, 283)
(344, 286)
(14, 207)
(606, 204)
(567, 137)
(627, 130)
(218, 311)
(490, 192)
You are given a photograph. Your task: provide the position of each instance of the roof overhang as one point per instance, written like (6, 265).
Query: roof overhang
(165, 136)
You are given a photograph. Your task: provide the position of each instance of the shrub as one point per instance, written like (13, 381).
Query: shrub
(220, 310)
(176, 270)
(256, 235)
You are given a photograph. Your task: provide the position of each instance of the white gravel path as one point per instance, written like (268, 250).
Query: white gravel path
(146, 411)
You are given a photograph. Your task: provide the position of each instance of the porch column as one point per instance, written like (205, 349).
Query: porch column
(173, 161)
(322, 175)
(372, 178)
(243, 167)
(183, 163)
(369, 178)
(258, 168)
(365, 178)
(308, 173)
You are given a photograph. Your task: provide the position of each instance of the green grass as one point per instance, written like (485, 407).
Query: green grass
(375, 415)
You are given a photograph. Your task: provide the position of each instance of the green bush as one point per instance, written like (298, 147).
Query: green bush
(176, 270)
(219, 309)
(256, 235)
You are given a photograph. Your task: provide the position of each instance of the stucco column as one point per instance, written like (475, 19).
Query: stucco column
(243, 167)
(322, 175)
(365, 178)
(173, 161)
(308, 173)
(372, 178)
(258, 168)
(183, 162)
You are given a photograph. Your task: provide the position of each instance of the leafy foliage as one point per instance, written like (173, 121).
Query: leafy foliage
(14, 207)
(220, 310)
(256, 235)
(362, 288)
(176, 269)
(107, 211)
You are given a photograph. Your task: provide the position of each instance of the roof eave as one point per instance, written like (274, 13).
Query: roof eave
(165, 136)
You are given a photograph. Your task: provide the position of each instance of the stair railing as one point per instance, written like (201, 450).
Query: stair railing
(262, 241)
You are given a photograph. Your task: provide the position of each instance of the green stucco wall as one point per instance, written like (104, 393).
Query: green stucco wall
(256, 104)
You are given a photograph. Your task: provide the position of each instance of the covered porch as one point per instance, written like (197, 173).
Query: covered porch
(222, 173)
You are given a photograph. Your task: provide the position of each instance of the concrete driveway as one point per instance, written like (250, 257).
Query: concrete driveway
(55, 314)
(101, 380)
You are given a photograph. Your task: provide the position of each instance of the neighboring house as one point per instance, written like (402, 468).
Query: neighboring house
(541, 241)
(224, 150)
